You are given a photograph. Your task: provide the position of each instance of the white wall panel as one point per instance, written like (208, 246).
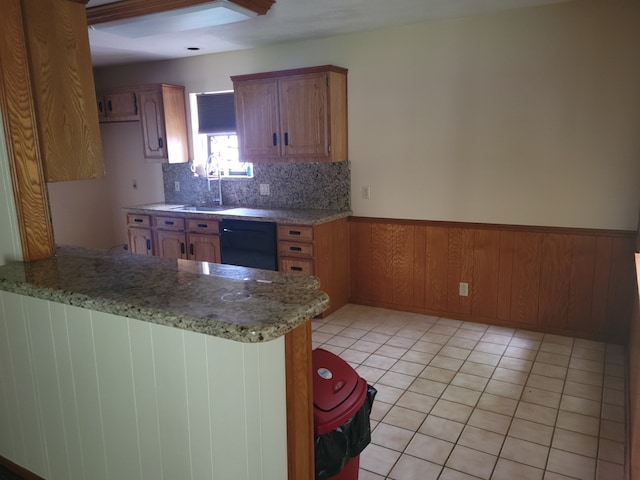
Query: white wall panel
(115, 384)
(144, 380)
(31, 451)
(10, 246)
(172, 401)
(87, 395)
(272, 402)
(67, 389)
(228, 409)
(48, 387)
(11, 433)
(197, 375)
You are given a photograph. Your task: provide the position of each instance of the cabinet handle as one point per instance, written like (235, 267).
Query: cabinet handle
(135, 105)
(160, 142)
(148, 244)
(191, 249)
(275, 139)
(286, 138)
(110, 106)
(169, 222)
(202, 225)
(100, 107)
(296, 269)
(295, 249)
(295, 232)
(137, 220)
(182, 248)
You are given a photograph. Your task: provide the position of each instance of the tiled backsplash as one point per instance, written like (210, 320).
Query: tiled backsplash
(324, 186)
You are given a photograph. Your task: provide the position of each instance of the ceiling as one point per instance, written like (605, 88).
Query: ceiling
(287, 20)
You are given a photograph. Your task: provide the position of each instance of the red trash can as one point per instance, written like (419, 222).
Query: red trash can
(341, 417)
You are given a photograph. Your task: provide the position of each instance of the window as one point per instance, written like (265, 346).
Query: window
(215, 142)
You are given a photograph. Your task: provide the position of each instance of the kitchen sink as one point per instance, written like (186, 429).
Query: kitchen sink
(199, 208)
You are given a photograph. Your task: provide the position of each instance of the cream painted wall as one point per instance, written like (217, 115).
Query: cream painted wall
(88, 395)
(530, 116)
(10, 244)
(89, 213)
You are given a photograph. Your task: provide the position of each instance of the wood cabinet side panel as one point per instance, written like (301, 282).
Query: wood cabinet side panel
(21, 133)
(64, 89)
(299, 384)
(175, 124)
(338, 115)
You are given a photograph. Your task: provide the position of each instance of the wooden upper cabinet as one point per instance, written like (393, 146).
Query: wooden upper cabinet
(63, 89)
(117, 107)
(256, 103)
(292, 115)
(164, 123)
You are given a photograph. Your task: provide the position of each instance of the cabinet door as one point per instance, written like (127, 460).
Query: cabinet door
(140, 241)
(303, 116)
(204, 248)
(118, 107)
(153, 131)
(170, 244)
(256, 103)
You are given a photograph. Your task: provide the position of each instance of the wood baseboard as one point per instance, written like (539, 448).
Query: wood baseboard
(18, 470)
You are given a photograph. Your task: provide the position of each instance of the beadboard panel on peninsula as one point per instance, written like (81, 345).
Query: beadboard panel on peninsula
(566, 281)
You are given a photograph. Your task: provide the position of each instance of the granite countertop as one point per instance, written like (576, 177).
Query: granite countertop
(279, 215)
(236, 303)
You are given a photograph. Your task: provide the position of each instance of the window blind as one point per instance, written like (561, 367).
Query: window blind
(216, 113)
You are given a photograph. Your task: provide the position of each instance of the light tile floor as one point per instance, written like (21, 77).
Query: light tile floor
(459, 400)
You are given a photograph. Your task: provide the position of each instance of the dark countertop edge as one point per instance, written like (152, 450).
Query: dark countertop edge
(282, 215)
(162, 317)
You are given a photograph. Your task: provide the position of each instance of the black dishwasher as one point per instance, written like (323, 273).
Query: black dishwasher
(249, 243)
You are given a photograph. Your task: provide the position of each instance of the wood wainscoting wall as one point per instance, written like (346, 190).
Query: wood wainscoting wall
(566, 281)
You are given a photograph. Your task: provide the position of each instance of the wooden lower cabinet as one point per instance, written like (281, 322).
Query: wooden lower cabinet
(141, 241)
(320, 250)
(203, 248)
(171, 244)
(140, 234)
(173, 237)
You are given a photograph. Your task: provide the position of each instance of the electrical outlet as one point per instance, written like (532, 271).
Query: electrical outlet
(464, 289)
(176, 186)
(264, 189)
(366, 192)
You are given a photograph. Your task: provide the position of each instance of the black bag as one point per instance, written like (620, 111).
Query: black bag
(333, 450)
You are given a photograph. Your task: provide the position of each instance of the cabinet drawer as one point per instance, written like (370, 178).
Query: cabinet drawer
(169, 223)
(295, 249)
(202, 225)
(138, 220)
(295, 233)
(296, 265)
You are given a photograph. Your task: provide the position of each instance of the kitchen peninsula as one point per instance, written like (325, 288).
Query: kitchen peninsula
(157, 368)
